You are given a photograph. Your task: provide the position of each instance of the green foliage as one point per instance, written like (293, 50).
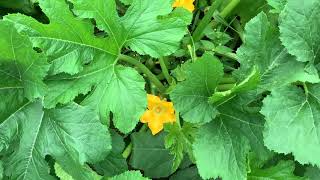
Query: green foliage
(136, 175)
(292, 114)
(299, 31)
(114, 163)
(65, 133)
(243, 77)
(179, 141)
(283, 170)
(150, 155)
(190, 97)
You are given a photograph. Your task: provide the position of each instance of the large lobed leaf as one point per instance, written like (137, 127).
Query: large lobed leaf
(67, 134)
(191, 96)
(141, 28)
(292, 122)
(299, 27)
(222, 146)
(263, 49)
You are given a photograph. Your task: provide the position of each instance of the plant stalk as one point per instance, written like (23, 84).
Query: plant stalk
(164, 69)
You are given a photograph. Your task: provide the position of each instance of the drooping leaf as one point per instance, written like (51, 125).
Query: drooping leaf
(136, 175)
(21, 68)
(230, 136)
(283, 170)
(72, 135)
(150, 155)
(69, 42)
(292, 122)
(299, 27)
(263, 49)
(190, 97)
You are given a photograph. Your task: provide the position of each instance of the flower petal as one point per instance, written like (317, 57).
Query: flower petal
(156, 125)
(147, 116)
(153, 101)
(169, 118)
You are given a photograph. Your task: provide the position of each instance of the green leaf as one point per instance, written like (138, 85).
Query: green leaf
(230, 149)
(1, 170)
(190, 97)
(230, 136)
(247, 84)
(283, 170)
(72, 135)
(277, 5)
(121, 91)
(179, 141)
(150, 155)
(65, 176)
(148, 33)
(247, 9)
(292, 123)
(188, 173)
(136, 175)
(147, 27)
(61, 173)
(21, 68)
(105, 14)
(263, 49)
(313, 173)
(114, 163)
(299, 27)
(68, 42)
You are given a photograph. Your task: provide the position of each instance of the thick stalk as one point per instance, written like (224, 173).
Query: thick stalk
(153, 78)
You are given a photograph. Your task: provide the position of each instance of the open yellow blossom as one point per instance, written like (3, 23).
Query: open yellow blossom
(158, 112)
(187, 4)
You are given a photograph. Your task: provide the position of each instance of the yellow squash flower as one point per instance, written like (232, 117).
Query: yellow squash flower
(187, 4)
(158, 112)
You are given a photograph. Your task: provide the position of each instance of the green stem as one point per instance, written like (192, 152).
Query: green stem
(198, 32)
(153, 78)
(227, 80)
(225, 87)
(224, 13)
(126, 153)
(229, 8)
(229, 55)
(164, 69)
(239, 29)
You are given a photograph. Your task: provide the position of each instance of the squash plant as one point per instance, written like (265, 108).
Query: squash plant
(148, 89)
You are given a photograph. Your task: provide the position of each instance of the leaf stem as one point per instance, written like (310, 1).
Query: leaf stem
(229, 55)
(198, 32)
(225, 87)
(153, 78)
(162, 61)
